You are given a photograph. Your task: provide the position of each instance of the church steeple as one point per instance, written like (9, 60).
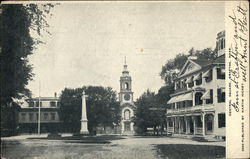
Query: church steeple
(126, 101)
(125, 71)
(125, 82)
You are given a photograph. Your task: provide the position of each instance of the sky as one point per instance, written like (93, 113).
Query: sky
(89, 41)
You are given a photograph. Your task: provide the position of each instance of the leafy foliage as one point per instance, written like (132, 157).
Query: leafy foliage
(170, 70)
(16, 22)
(102, 107)
(145, 116)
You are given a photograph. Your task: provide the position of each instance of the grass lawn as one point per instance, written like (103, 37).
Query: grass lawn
(186, 151)
(103, 139)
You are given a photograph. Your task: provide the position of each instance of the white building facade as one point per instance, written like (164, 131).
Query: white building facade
(197, 106)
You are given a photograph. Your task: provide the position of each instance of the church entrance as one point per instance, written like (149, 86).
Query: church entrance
(127, 126)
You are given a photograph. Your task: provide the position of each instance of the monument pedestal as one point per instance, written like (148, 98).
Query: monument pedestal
(84, 126)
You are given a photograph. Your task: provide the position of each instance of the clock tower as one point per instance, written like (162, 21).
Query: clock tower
(126, 101)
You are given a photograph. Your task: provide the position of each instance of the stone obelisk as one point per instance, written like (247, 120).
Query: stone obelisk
(84, 120)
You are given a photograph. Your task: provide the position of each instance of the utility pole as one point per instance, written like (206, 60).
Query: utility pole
(39, 109)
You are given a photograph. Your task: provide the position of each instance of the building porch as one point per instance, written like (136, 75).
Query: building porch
(196, 124)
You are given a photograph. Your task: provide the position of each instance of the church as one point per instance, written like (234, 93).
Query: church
(126, 102)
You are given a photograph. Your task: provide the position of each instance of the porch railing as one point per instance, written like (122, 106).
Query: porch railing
(189, 109)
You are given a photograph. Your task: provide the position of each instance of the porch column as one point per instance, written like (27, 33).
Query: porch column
(179, 122)
(186, 122)
(194, 121)
(203, 123)
(174, 121)
(167, 124)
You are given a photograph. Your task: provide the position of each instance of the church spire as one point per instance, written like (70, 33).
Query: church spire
(125, 67)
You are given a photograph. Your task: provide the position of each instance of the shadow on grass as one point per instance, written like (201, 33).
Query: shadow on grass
(187, 151)
(104, 139)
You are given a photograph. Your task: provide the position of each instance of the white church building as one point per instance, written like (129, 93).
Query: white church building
(126, 102)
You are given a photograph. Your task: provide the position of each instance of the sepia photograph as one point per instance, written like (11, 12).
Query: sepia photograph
(116, 80)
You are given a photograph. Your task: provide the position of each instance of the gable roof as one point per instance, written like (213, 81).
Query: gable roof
(202, 63)
(186, 64)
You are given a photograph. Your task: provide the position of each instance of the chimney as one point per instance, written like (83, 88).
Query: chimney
(55, 94)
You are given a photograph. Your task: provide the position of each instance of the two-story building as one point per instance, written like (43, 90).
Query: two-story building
(197, 106)
(49, 115)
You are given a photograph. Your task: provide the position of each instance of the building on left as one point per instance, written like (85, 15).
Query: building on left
(49, 115)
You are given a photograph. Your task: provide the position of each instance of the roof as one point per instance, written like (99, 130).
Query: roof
(44, 98)
(201, 62)
(204, 64)
(220, 59)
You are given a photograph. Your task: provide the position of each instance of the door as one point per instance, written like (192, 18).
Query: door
(209, 124)
(191, 126)
(127, 126)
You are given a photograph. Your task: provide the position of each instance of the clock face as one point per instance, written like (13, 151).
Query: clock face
(126, 96)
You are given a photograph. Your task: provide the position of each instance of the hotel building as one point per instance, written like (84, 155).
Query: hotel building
(49, 115)
(197, 106)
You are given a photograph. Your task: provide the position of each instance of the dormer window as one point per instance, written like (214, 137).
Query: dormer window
(190, 81)
(220, 73)
(198, 79)
(208, 75)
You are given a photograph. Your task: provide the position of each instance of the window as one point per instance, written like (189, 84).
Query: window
(178, 85)
(189, 103)
(220, 73)
(178, 105)
(53, 104)
(222, 44)
(210, 101)
(184, 83)
(221, 120)
(172, 106)
(210, 76)
(199, 80)
(23, 116)
(45, 115)
(170, 123)
(191, 82)
(37, 104)
(199, 122)
(31, 103)
(31, 116)
(127, 114)
(37, 116)
(198, 100)
(126, 86)
(53, 116)
(221, 95)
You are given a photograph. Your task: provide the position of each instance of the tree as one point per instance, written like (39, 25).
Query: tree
(170, 70)
(147, 112)
(102, 107)
(16, 23)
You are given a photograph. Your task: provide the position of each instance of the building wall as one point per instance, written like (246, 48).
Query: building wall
(46, 116)
(219, 108)
(49, 116)
(123, 118)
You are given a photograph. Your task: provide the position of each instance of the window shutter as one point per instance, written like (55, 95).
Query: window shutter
(219, 95)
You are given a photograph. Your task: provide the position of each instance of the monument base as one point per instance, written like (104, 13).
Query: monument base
(80, 134)
(84, 132)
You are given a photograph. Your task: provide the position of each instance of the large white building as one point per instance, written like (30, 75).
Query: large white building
(197, 106)
(49, 117)
(126, 102)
